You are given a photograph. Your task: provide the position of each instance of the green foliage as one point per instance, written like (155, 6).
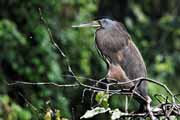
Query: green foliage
(27, 51)
(102, 99)
(12, 111)
(157, 38)
(28, 55)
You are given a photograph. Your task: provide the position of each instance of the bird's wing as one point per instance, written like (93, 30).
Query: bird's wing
(118, 48)
(109, 42)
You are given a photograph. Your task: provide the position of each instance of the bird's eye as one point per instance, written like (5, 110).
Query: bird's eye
(105, 21)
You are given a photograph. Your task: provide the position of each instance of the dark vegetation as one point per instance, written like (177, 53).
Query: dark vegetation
(26, 53)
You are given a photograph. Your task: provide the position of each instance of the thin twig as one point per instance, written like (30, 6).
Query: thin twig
(43, 83)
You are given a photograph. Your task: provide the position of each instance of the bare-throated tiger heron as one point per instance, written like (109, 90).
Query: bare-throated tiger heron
(123, 58)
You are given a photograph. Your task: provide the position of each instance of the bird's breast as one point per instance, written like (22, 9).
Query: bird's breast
(116, 72)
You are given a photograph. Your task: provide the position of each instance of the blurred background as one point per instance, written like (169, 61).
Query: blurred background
(26, 53)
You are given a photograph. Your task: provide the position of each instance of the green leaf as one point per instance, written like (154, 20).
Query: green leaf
(102, 98)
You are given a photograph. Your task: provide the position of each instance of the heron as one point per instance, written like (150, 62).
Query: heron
(124, 60)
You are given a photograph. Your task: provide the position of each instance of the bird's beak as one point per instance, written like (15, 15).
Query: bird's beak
(90, 24)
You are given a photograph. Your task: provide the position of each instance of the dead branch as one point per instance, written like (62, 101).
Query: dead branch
(42, 83)
(158, 112)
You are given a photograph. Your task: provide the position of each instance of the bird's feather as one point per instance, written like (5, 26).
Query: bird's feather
(117, 47)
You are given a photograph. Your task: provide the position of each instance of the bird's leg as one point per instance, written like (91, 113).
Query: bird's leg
(148, 107)
(126, 104)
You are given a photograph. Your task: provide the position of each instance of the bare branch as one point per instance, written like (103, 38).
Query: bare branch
(43, 83)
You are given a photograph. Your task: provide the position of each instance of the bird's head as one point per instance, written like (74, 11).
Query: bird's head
(107, 23)
(101, 23)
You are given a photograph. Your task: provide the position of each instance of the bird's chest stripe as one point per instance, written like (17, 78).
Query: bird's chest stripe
(116, 72)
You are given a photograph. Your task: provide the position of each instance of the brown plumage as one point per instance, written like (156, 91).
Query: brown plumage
(121, 54)
(123, 58)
